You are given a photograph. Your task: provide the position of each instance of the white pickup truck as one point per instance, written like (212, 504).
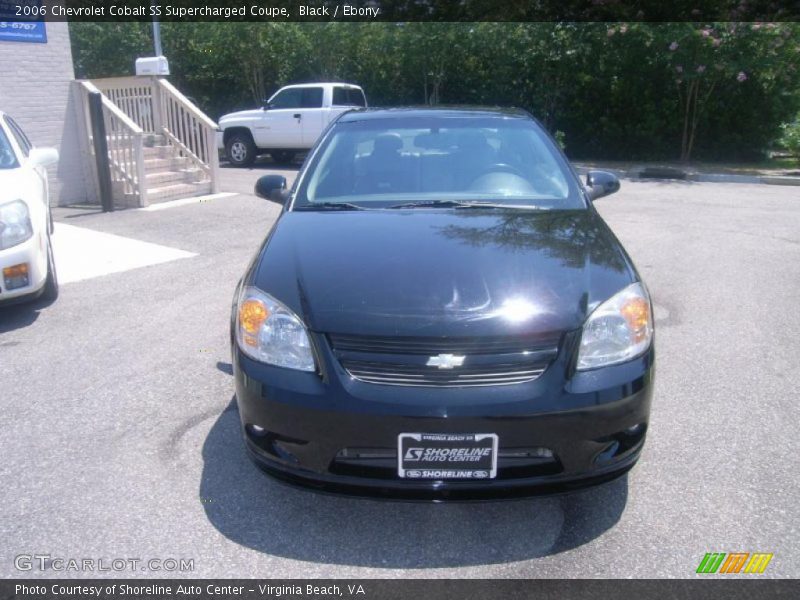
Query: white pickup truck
(290, 122)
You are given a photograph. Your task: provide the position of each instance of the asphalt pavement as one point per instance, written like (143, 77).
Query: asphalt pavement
(120, 436)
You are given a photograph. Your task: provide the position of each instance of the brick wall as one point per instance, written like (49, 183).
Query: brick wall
(36, 91)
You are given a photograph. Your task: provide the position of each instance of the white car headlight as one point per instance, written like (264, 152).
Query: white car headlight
(620, 329)
(271, 333)
(15, 224)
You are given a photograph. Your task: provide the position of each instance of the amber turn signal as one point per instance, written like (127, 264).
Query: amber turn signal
(636, 313)
(252, 315)
(20, 270)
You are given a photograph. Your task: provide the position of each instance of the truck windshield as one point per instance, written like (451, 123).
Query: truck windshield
(381, 163)
(8, 160)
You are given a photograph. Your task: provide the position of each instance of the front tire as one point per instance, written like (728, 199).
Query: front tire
(50, 293)
(240, 150)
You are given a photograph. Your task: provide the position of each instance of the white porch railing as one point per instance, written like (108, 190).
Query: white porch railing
(189, 130)
(146, 111)
(134, 96)
(125, 146)
(159, 108)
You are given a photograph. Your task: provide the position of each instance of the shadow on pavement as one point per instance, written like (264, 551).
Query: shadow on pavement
(253, 510)
(265, 163)
(662, 181)
(19, 315)
(76, 211)
(225, 367)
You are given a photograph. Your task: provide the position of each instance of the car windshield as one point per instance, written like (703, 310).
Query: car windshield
(382, 163)
(8, 159)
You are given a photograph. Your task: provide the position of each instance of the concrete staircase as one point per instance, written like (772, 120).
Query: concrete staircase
(169, 177)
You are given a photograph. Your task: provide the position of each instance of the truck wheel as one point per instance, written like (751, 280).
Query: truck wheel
(241, 150)
(283, 157)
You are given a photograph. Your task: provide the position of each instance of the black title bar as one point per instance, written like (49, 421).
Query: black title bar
(401, 10)
(745, 588)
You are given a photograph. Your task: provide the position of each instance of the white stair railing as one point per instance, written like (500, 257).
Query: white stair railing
(124, 139)
(189, 130)
(134, 96)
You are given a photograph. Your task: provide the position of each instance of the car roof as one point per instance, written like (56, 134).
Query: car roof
(439, 112)
(319, 83)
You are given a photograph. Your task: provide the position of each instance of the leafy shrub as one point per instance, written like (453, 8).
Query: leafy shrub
(790, 138)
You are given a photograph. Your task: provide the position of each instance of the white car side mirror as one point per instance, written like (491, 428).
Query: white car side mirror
(41, 157)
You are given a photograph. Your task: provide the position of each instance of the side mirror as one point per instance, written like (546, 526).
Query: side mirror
(272, 187)
(42, 157)
(601, 183)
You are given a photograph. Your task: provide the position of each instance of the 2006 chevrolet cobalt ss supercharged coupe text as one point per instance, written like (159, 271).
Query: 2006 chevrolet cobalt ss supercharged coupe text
(440, 313)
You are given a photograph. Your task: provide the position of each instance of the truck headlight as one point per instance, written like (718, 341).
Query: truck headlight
(15, 224)
(271, 333)
(620, 329)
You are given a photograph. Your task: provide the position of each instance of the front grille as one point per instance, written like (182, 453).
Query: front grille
(403, 360)
(422, 375)
(432, 346)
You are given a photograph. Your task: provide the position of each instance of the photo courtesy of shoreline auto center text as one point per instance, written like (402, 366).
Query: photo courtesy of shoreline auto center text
(394, 299)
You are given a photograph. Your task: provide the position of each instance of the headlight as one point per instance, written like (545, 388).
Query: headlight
(15, 224)
(620, 329)
(269, 332)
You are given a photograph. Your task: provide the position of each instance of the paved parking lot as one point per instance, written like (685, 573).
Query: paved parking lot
(120, 434)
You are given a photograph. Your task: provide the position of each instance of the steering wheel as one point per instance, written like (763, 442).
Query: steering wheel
(497, 168)
(484, 175)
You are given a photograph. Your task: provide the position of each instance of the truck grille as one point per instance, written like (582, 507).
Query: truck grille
(403, 360)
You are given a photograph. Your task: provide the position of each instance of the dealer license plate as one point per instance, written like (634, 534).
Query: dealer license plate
(447, 455)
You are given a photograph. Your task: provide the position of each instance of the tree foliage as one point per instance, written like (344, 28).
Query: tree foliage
(790, 138)
(612, 90)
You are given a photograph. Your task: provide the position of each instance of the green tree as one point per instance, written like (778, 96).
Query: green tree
(616, 90)
(108, 49)
(708, 62)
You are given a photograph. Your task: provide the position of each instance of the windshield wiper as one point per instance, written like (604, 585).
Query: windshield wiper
(330, 206)
(437, 204)
(455, 204)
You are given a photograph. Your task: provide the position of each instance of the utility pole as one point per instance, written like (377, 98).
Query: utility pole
(156, 30)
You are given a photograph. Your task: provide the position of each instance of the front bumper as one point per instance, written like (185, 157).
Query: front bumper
(32, 252)
(334, 433)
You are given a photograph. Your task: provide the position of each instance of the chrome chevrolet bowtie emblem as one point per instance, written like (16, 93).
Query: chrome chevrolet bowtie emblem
(445, 361)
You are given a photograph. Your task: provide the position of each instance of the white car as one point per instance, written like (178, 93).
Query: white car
(291, 121)
(26, 254)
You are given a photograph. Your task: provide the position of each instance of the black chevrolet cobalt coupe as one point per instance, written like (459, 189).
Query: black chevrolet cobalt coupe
(440, 313)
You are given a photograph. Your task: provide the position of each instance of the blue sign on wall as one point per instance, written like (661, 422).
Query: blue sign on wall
(23, 31)
(21, 28)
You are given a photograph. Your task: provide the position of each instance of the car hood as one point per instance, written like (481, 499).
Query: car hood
(240, 115)
(14, 184)
(442, 272)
